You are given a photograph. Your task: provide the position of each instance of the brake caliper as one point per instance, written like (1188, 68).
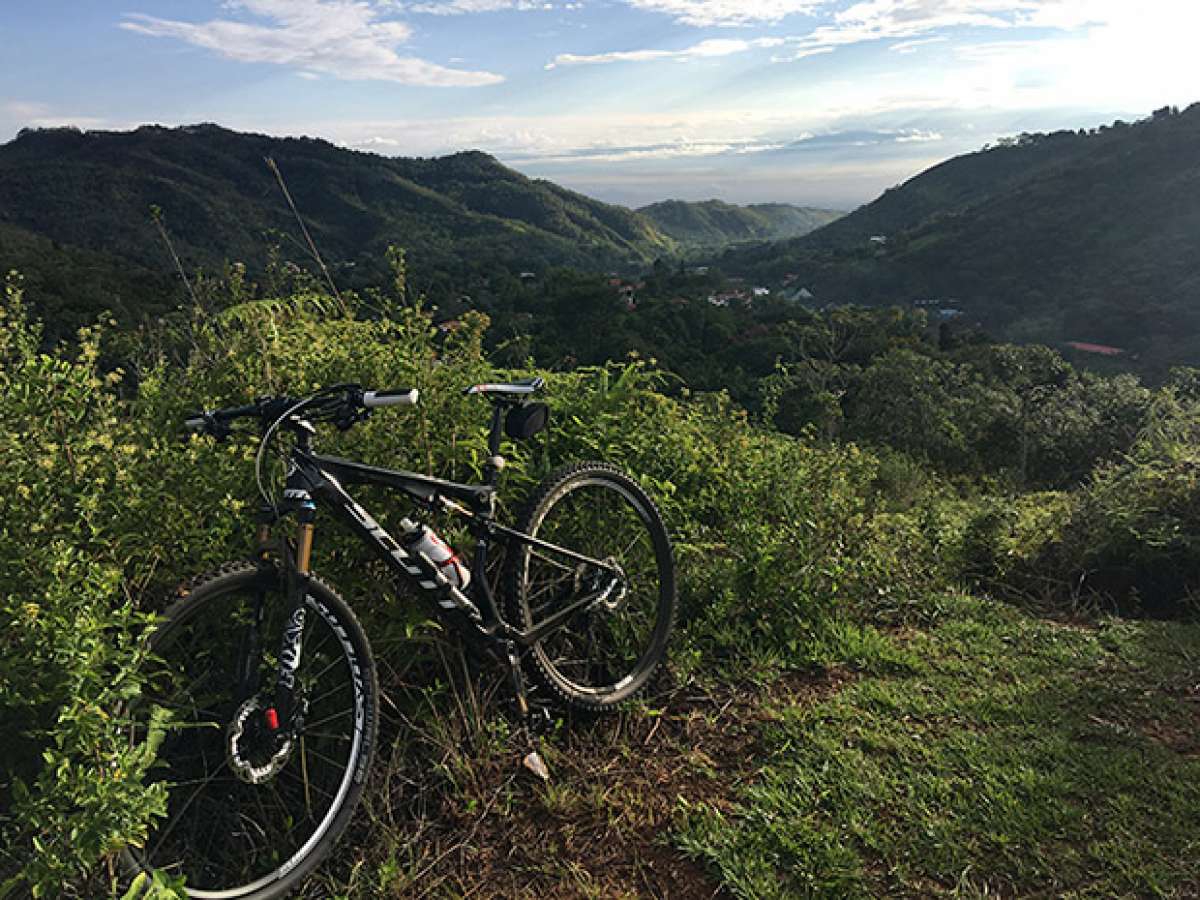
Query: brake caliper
(256, 749)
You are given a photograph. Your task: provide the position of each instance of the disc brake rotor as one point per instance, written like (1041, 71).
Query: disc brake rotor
(248, 745)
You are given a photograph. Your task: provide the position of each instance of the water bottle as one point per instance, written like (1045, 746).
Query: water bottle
(423, 539)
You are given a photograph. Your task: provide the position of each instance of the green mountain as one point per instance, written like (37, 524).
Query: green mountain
(1064, 237)
(68, 285)
(715, 224)
(86, 198)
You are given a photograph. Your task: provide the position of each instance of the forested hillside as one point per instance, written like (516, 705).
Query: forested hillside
(85, 199)
(1060, 238)
(714, 223)
(1070, 236)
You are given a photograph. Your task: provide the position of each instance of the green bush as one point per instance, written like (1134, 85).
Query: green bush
(1127, 539)
(108, 506)
(1135, 535)
(71, 787)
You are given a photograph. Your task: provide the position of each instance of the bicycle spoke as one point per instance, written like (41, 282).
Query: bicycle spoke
(601, 515)
(327, 720)
(327, 735)
(312, 703)
(324, 793)
(174, 821)
(223, 831)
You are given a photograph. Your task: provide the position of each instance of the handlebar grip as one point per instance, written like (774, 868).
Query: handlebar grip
(216, 422)
(375, 399)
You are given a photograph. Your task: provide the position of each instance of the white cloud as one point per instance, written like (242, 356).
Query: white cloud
(873, 20)
(25, 114)
(907, 47)
(909, 21)
(704, 50)
(1070, 14)
(685, 148)
(21, 109)
(1126, 56)
(803, 53)
(706, 13)
(461, 7)
(513, 136)
(343, 38)
(917, 136)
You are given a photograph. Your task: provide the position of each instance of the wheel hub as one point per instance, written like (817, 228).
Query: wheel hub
(256, 753)
(617, 588)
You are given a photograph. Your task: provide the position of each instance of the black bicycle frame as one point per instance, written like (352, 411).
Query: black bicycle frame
(317, 479)
(314, 479)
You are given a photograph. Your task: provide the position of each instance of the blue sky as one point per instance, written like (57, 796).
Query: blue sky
(824, 102)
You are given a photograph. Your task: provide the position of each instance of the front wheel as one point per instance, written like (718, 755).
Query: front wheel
(608, 651)
(251, 812)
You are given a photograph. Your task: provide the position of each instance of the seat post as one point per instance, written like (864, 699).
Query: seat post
(494, 462)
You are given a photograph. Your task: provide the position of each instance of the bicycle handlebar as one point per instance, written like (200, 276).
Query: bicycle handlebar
(373, 399)
(352, 404)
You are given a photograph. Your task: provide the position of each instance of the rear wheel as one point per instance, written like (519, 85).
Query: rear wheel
(251, 813)
(607, 652)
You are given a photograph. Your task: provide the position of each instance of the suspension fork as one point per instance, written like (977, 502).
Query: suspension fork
(298, 570)
(248, 674)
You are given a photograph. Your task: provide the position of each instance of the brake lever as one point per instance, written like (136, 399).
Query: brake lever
(350, 417)
(220, 431)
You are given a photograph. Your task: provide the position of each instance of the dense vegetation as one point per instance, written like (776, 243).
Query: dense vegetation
(714, 224)
(1070, 236)
(939, 392)
(108, 508)
(793, 553)
(1047, 238)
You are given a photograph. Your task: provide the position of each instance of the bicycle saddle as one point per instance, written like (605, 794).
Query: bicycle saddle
(512, 389)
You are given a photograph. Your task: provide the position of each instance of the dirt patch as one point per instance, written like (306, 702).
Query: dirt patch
(600, 827)
(1182, 734)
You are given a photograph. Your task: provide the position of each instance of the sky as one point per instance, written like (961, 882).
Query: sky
(816, 102)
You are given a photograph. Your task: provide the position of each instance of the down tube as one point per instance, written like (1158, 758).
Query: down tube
(449, 603)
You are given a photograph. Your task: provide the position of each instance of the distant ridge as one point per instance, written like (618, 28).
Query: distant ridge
(1071, 236)
(715, 224)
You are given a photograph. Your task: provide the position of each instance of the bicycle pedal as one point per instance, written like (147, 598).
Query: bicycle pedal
(539, 720)
(534, 763)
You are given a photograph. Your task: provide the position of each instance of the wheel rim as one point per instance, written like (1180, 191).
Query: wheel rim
(228, 837)
(611, 648)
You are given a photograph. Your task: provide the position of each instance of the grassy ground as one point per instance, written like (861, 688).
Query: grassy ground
(991, 754)
(1015, 757)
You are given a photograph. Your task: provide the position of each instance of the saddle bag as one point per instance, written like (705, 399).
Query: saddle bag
(523, 422)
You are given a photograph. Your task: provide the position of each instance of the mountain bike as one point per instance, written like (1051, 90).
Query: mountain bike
(267, 676)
